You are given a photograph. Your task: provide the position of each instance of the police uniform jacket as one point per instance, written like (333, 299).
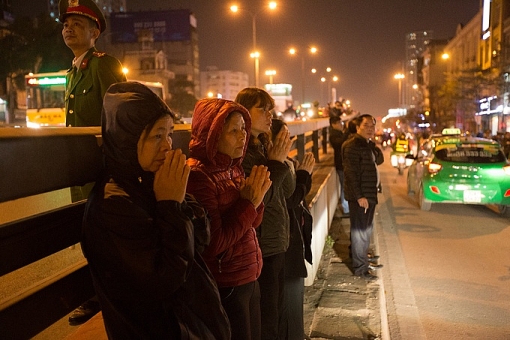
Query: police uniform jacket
(87, 87)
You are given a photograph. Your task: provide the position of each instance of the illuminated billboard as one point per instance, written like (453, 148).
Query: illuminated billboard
(171, 25)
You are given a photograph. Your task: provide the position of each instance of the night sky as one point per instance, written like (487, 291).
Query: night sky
(363, 41)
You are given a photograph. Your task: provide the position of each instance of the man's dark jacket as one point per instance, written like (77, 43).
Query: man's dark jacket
(360, 170)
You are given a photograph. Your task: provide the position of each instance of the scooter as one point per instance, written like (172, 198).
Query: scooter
(400, 160)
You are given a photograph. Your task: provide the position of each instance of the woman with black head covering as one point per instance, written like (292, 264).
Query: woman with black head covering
(142, 235)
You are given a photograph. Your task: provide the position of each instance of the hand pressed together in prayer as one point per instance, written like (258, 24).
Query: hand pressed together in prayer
(172, 177)
(255, 187)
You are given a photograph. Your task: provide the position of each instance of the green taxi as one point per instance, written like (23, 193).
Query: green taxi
(457, 169)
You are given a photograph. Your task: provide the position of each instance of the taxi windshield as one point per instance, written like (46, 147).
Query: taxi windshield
(470, 153)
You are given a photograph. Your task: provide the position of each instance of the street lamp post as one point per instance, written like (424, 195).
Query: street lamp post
(399, 77)
(271, 74)
(293, 51)
(329, 79)
(254, 54)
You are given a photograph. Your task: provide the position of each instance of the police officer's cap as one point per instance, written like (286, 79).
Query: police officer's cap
(87, 8)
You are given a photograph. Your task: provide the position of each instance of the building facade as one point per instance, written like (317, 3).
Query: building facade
(431, 78)
(222, 83)
(416, 44)
(157, 46)
(107, 6)
(474, 94)
(494, 108)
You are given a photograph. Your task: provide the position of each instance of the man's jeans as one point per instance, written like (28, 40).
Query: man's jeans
(343, 202)
(362, 224)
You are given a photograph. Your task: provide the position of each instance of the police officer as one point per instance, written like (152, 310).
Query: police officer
(90, 76)
(92, 72)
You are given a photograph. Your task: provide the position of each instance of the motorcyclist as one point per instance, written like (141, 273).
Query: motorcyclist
(401, 144)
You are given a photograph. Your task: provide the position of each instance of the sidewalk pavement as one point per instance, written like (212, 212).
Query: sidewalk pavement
(339, 305)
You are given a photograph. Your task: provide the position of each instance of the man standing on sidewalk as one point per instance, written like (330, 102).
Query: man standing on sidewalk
(360, 160)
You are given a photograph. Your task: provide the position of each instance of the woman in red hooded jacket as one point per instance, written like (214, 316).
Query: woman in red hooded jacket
(234, 205)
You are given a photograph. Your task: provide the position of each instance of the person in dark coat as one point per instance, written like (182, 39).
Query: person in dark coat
(273, 233)
(142, 235)
(92, 71)
(360, 160)
(299, 251)
(337, 110)
(234, 205)
(337, 136)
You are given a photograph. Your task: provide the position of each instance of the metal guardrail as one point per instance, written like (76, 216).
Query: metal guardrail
(38, 219)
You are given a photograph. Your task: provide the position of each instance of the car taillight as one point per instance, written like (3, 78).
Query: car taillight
(434, 168)
(507, 193)
(435, 189)
(506, 168)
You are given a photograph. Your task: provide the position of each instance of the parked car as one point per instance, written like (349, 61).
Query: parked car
(457, 169)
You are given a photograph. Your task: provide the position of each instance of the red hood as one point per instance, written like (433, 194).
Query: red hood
(208, 121)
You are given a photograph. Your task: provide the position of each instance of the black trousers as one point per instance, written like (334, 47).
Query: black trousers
(242, 305)
(272, 282)
(291, 323)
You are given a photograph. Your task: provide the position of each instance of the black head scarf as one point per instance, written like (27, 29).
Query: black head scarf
(128, 109)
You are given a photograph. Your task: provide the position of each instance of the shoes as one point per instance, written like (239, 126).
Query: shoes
(373, 259)
(83, 313)
(375, 266)
(372, 256)
(368, 276)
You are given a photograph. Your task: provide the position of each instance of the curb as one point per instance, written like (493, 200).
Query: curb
(339, 305)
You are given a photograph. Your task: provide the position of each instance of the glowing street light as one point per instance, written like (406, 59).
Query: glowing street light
(270, 73)
(293, 51)
(399, 77)
(234, 8)
(329, 79)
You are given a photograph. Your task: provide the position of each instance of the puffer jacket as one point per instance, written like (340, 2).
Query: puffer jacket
(233, 255)
(359, 158)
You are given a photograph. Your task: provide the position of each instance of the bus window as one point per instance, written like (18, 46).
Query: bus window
(46, 99)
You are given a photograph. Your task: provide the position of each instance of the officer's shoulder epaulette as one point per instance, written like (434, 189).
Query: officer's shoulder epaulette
(99, 54)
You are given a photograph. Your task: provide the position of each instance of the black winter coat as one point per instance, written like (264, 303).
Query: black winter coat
(301, 225)
(273, 233)
(359, 160)
(143, 254)
(337, 138)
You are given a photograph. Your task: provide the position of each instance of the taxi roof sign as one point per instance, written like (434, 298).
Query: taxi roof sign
(451, 132)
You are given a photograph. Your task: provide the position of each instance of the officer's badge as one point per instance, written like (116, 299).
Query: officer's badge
(84, 63)
(74, 3)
